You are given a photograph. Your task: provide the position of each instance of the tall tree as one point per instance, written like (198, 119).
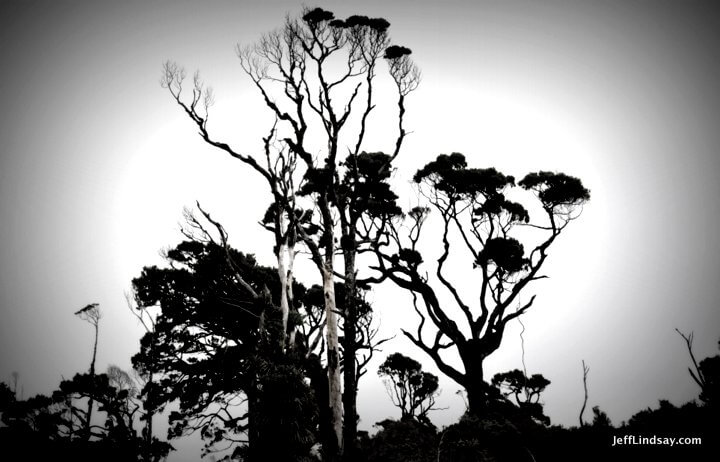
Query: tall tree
(479, 222)
(317, 76)
(91, 314)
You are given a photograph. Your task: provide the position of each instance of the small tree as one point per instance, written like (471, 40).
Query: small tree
(410, 389)
(600, 418)
(525, 390)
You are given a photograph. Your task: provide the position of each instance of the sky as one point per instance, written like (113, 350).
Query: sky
(97, 163)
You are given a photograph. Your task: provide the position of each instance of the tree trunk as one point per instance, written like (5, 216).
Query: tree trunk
(149, 434)
(474, 384)
(333, 356)
(289, 280)
(283, 276)
(319, 383)
(91, 402)
(149, 414)
(253, 434)
(349, 352)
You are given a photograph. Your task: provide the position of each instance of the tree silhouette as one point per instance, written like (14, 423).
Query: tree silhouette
(478, 217)
(706, 373)
(7, 396)
(401, 441)
(316, 69)
(411, 390)
(525, 390)
(600, 418)
(710, 370)
(216, 349)
(91, 314)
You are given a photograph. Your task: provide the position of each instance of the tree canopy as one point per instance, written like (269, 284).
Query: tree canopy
(479, 221)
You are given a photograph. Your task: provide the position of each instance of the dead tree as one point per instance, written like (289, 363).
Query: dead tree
(585, 374)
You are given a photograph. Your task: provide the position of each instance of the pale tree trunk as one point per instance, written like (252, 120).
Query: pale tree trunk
(282, 252)
(91, 402)
(283, 276)
(289, 289)
(333, 356)
(585, 374)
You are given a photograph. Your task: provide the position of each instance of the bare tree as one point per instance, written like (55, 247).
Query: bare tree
(586, 369)
(695, 371)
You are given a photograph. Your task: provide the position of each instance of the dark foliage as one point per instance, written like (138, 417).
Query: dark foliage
(498, 436)
(599, 441)
(525, 390)
(402, 441)
(556, 189)
(365, 184)
(216, 351)
(709, 369)
(52, 427)
(449, 174)
(317, 15)
(396, 51)
(507, 254)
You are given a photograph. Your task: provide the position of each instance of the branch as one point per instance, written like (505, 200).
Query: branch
(446, 369)
(441, 262)
(172, 81)
(519, 311)
(697, 375)
(228, 256)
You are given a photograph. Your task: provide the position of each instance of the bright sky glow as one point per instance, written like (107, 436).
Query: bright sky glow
(97, 163)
